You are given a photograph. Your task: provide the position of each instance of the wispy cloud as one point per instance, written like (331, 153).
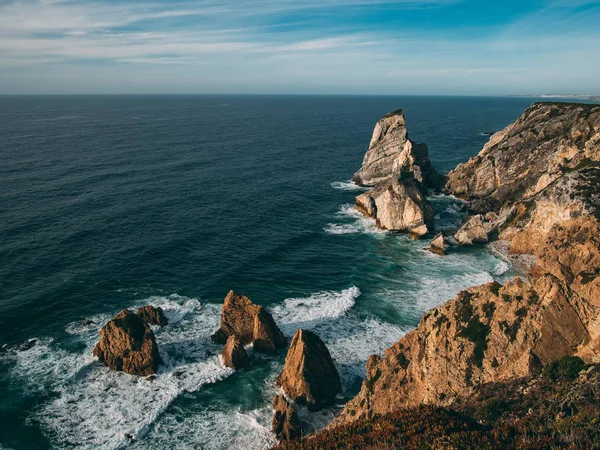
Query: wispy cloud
(293, 45)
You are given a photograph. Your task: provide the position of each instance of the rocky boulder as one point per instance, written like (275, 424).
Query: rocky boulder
(398, 206)
(309, 375)
(234, 355)
(286, 424)
(391, 152)
(472, 231)
(127, 343)
(249, 323)
(152, 315)
(439, 244)
(267, 337)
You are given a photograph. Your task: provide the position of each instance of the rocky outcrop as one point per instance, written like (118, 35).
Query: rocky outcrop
(234, 355)
(249, 323)
(398, 206)
(439, 244)
(309, 376)
(152, 315)
(286, 424)
(391, 152)
(127, 343)
(266, 335)
(535, 187)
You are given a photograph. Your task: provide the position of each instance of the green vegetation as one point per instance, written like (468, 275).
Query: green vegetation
(565, 369)
(477, 332)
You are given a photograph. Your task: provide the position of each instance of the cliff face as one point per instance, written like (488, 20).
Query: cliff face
(540, 175)
(392, 152)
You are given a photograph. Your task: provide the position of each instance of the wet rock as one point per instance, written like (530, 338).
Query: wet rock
(249, 323)
(27, 345)
(309, 375)
(237, 319)
(286, 424)
(127, 343)
(267, 337)
(398, 206)
(152, 315)
(439, 244)
(234, 355)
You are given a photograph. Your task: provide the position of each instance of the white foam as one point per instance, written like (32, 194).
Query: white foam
(347, 186)
(307, 312)
(96, 407)
(353, 222)
(502, 267)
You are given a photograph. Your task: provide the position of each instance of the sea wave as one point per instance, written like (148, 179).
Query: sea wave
(351, 221)
(347, 186)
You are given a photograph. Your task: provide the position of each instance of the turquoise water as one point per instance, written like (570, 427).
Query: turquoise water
(113, 202)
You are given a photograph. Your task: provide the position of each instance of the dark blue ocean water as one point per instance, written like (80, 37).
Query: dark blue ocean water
(113, 202)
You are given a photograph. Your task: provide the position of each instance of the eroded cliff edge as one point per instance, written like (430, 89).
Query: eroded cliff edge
(540, 175)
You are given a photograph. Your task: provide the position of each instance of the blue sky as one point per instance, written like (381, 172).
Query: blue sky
(472, 47)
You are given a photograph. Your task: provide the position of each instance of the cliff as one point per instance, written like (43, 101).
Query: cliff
(540, 176)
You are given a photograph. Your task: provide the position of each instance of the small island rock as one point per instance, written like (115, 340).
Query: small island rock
(309, 375)
(472, 231)
(286, 424)
(127, 343)
(267, 337)
(234, 355)
(439, 244)
(152, 315)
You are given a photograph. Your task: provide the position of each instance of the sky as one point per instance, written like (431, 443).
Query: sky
(382, 47)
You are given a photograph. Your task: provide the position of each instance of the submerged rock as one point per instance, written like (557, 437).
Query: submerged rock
(286, 424)
(267, 337)
(152, 315)
(249, 323)
(398, 206)
(234, 355)
(127, 343)
(391, 152)
(309, 375)
(439, 244)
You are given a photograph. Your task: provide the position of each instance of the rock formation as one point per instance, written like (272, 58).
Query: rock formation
(398, 206)
(472, 231)
(127, 343)
(391, 152)
(399, 170)
(234, 355)
(439, 244)
(249, 323)
(309, 375)
(266, 335)
(152, 315)
(535, 186)
(286, 424)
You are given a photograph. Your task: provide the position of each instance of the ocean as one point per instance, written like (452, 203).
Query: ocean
(112, 202)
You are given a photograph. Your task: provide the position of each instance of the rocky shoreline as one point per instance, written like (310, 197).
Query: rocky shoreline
(534, 191)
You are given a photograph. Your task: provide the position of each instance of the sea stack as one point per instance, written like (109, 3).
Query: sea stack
(399, 172)
(250, 323)
(234, 355)
(309, 375)
(285, 424)
(127, 343)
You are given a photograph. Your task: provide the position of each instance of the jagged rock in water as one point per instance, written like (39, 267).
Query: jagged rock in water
(391, 152)
(286, 424)
(309, 375)
(472, 231)
(267, 337)
(152, 315)
(250, 323)
(127, 343)
(234, 355)
(439, 244)
(540, 177)
(237, 319)
(398, 206)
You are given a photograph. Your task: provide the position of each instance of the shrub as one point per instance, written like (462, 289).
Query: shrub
(564, 369)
